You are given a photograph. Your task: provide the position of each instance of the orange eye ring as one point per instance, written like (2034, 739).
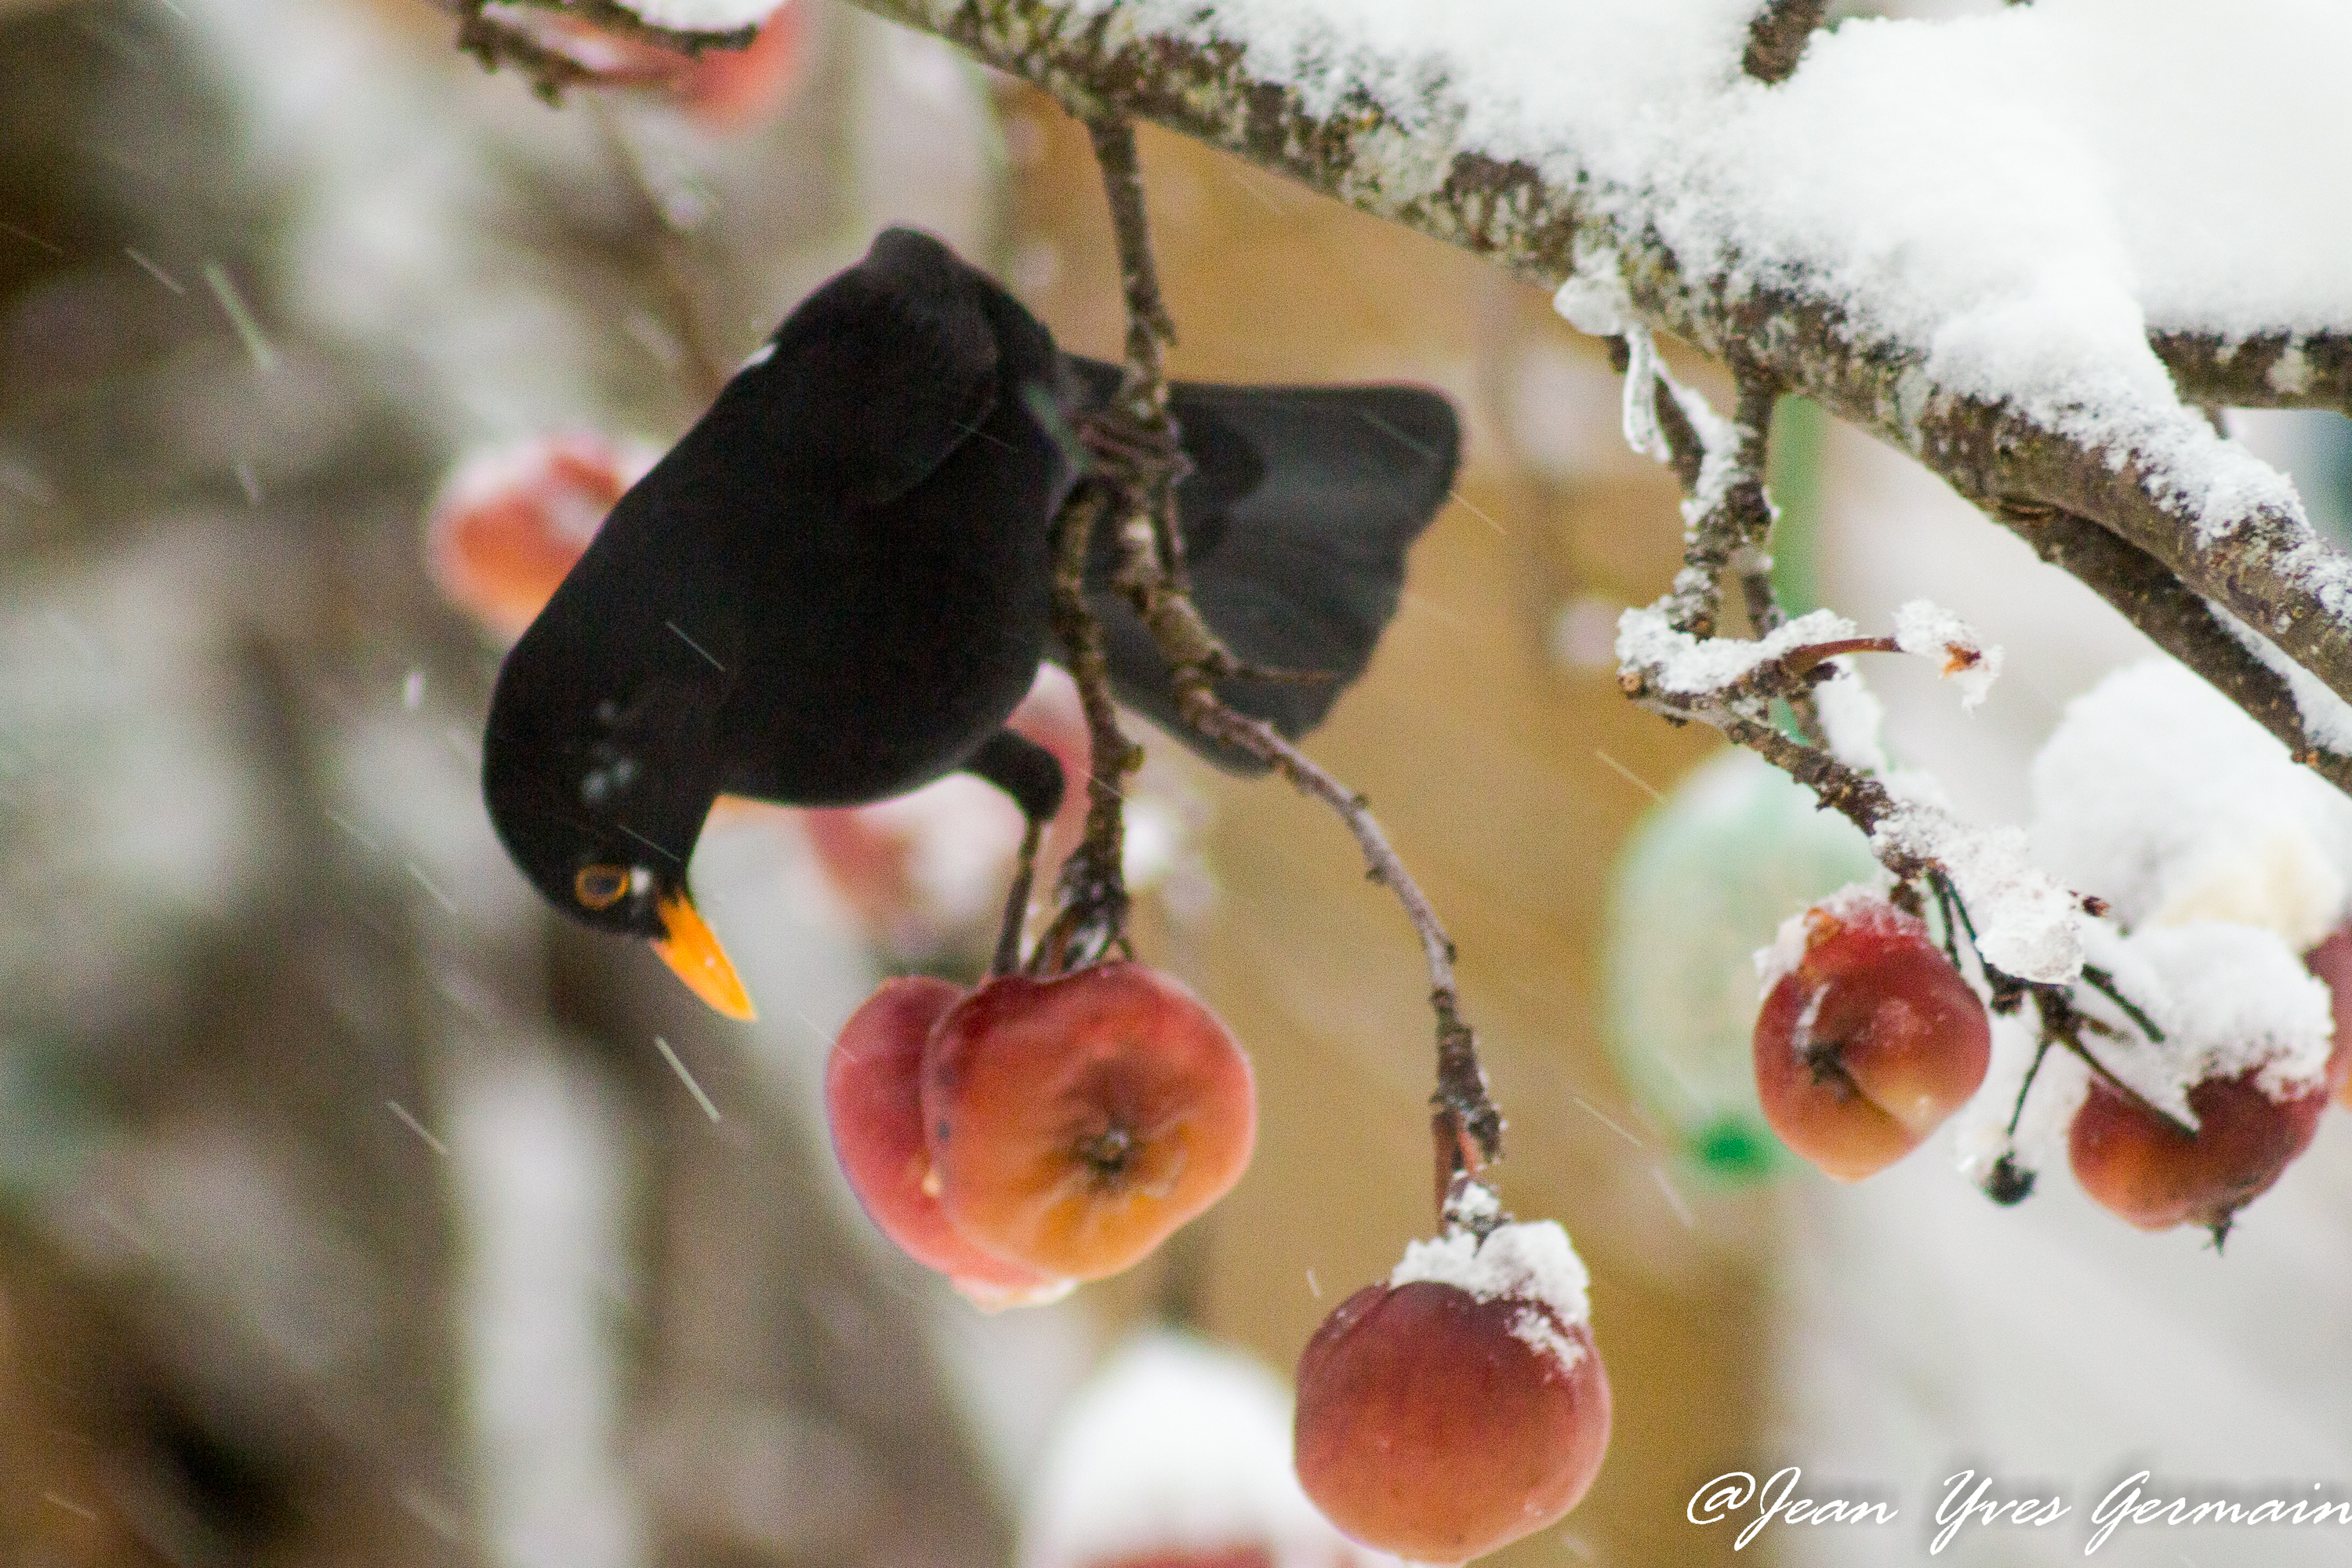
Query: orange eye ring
(600, 887)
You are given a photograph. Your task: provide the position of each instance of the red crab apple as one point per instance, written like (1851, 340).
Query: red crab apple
(724, 89)
(873, 1102)
(2332, 962)
(2156, 1176)
(1869, 1041)
(1439, 1419)
(1075, 1121)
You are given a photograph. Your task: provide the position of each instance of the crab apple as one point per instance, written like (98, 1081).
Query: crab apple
(1462, 1405)
(722, 90)
(1075, 1121)
(510, 520)
(2152, 1175)
(1868, 1040)
(729, 90)
(873, 1103)
(2332, 962)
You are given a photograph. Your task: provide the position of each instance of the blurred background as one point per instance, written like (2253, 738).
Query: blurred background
(353, 1208)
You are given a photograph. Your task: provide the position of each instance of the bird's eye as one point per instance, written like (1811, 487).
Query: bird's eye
(600, 887)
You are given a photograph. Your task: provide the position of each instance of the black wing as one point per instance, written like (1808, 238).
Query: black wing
(1297, 518)
(874, 379)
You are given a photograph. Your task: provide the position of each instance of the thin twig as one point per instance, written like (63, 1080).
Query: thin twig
(2100, 981)
(1091, 901)
(1461, 1083)
(1016, 901)
(1141, 459)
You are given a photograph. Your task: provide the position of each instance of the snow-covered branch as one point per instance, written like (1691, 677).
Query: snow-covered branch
(2020, 245)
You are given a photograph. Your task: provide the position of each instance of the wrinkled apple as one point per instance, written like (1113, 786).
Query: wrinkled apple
(1460, 1405)
(1074, 1122)
(873, 1104)
(1868, 1040)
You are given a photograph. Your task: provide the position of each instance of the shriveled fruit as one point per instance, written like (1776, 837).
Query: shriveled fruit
(1075, 1121)
(2149, 1172)
(1868, 1041)
(1438, 1418)
(873, 1103)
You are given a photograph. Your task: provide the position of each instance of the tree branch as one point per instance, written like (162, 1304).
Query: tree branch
(2270, 369)
(1389, 123)
(2176, 620)
(2239, 543)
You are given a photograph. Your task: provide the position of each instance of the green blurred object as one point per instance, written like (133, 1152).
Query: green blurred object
(1704, 881)
(1793, 478)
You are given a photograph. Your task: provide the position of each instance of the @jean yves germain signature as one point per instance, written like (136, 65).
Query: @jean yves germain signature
(1968, 1497)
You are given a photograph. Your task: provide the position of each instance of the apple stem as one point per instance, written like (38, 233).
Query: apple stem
(2099, 980)
(1091, 900)
(1016, 901)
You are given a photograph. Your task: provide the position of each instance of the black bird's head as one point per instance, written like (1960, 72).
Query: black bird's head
(599, 800)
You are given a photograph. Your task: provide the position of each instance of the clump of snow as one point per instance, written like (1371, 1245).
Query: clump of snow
(1528, 1260)
(1474, 1203)
(1643, 371)
(1779, 960)
(1679, 662)
(2161, 796)
(1176, 1445)
(2231, 999)
(1933, 632)
(1594, 300)
(2026, 922)
(702, 15)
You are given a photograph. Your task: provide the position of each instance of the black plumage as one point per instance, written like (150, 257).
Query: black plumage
(836, 586)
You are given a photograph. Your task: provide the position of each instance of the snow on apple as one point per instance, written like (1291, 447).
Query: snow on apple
(1460, 1404)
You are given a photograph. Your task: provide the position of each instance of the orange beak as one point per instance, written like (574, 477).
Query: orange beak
(690, 949)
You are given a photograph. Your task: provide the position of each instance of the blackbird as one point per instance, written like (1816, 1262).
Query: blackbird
(835, 587)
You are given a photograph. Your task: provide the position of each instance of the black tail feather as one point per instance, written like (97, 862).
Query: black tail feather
(1296, 517)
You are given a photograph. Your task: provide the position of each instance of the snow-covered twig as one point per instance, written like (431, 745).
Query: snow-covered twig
(2180, 622)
